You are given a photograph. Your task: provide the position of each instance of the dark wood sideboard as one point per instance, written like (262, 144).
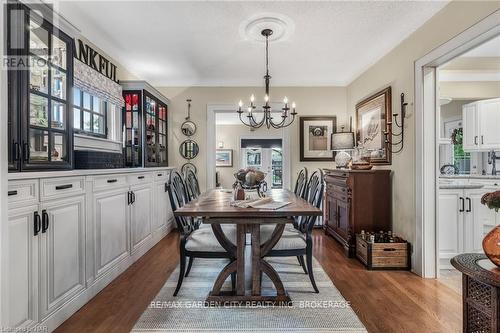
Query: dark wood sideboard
(356, 200)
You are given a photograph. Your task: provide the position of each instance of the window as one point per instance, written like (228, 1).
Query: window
(89, 114)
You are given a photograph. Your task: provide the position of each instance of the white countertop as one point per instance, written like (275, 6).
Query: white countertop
(80, 172)
(469, 176)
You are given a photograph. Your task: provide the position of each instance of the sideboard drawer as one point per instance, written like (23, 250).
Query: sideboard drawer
(109, 182)
(56, 188)
(23, 192)
(139, 178)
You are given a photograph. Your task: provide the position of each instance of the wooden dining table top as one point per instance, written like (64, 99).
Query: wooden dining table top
(217, 204)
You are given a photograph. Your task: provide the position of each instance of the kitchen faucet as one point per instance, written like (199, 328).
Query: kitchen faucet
(492, 158)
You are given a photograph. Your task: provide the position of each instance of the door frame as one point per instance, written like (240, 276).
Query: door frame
(284, 134)
(285, 166)
(425, 256)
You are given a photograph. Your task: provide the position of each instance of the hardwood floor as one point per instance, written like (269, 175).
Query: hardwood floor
(385, 301)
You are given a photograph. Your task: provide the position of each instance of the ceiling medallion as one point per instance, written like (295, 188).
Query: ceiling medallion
(281, 25)
(266, 108)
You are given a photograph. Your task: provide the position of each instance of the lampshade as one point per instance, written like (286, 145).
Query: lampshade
(342, 140)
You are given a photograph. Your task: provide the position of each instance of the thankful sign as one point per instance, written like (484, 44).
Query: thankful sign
(95, 60)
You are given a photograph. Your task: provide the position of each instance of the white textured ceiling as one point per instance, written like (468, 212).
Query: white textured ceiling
(198, 43)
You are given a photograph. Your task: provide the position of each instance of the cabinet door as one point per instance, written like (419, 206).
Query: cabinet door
(62, 252)
(161, 204)
(111, 225)
(140, 217)
(470, 138)
(479, 220)
(331, 208)
(23, 268)
(343, 212)
(450, 225)
(489, 120)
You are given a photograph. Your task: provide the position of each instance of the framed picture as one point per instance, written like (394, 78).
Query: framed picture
(315, 138)
(224, 158)
(372, 117)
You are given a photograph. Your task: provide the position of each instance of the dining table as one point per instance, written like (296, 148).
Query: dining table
(215, 208)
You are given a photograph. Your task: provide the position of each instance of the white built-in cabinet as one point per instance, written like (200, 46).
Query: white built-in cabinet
(481, 121)
(70, 236)
(463, 222)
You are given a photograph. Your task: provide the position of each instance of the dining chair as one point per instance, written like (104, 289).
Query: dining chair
(197, 239)
(192, 185)
(301, 183)
(297, 241)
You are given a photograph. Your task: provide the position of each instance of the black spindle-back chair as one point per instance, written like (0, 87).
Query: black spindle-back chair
(197, 240)
(192, 185)
(301, 183)
(298, 241)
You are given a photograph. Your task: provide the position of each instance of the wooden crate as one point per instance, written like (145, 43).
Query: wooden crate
(389, 256)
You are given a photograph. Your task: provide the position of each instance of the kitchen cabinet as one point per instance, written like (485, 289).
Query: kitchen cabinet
(163, 212)
(40, 126)
(23, 266)
(145, 123)
(463, 222)
(70, 236)
(62, 252)
(111, 218)
(140, 214)
(480, 125)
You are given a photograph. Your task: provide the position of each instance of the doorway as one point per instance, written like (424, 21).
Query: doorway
(225, 133)
(266, 155)
(429, 131)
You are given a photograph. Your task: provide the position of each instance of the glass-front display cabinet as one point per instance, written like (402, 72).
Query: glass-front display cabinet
(145, 125)
(39, 92)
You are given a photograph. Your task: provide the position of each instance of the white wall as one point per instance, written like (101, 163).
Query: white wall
(311, 101)
(397, 70)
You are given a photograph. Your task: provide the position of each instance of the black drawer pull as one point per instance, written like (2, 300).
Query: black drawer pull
(64, 187)
(389, 249)
(12, 193)
(112, 180)
(140, 177)
(160, 174)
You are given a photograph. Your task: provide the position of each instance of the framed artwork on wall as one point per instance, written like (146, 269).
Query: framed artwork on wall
(372, 121)
(224, 158)
(315, 138)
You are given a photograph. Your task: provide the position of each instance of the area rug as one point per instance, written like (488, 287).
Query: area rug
(327, 311)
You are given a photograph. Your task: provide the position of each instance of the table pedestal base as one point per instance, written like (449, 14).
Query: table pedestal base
(241, 295)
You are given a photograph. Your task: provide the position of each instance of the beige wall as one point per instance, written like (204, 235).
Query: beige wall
(470, 90)
(311, 101)
(397, 70)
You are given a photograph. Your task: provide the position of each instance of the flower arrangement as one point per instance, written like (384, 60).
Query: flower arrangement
(492, 200)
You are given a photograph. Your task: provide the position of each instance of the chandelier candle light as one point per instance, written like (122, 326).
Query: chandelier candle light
(266, 108)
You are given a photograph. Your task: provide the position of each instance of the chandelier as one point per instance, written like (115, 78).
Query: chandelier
(286, 117)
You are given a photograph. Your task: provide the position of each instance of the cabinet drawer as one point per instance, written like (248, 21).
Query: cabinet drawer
(161, 176)
(22, 192)
(61, 187)
(337, 181)
(139, 178)
(109, 182)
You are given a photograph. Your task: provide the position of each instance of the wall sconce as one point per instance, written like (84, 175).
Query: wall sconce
(395, 141)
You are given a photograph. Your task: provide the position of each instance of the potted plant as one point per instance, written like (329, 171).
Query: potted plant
(491, 242)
